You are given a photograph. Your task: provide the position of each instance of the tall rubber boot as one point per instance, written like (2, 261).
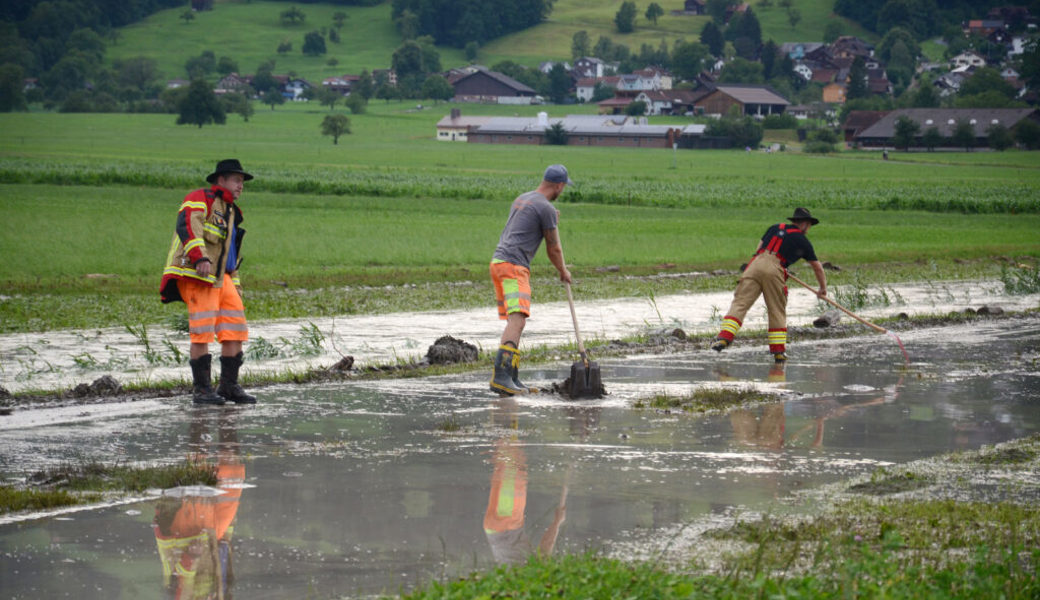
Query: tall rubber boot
(202, 381)
(502, 381)
(515, 371)
(229, 388)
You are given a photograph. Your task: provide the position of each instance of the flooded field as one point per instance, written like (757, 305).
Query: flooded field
(353, 489)
(63, 359)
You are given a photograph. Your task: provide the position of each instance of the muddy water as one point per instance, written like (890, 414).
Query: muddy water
(357, 488)
(64, 359)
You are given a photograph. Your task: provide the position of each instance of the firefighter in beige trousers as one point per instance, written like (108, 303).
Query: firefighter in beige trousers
(766, 275)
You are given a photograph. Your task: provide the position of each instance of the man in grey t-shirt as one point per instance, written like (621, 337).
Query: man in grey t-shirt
(531, 218)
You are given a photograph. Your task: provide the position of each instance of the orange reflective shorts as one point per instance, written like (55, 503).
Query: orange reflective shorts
(214, 311)
(512, 288)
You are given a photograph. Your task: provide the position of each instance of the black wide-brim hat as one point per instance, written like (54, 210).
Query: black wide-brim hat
(230, 165)
(802, 214)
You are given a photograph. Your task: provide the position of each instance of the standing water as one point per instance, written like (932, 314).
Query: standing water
(357, 488)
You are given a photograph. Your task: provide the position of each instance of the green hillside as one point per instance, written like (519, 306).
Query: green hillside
(250, 31)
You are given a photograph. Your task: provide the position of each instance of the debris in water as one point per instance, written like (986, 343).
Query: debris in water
(564, 389)
(448, 350)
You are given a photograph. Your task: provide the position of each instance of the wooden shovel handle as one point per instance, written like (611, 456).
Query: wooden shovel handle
(574, 317)
(826, 299)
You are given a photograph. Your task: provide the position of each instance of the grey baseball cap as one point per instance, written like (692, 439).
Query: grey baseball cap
(557, 174)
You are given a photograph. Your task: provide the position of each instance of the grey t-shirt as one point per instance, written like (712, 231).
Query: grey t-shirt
(530, 214)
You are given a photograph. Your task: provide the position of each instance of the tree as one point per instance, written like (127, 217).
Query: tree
(963, 135)
(407, 25)
(285, 46)
(12, 88)
(292, 16)
(743, 131)
(625, 18)
(986, 79)
(226, 65)
(688, 59)
(559, 83)
(636, 108)
(653, 12)
(926, 96)
(264, 79)
(999, 137)
(857, 80)
(335, 125)
(272, 97)
(931, 138)
(364, 86)
(739, 70)
(900, 66)
(601, 92)
(579, 44)
(338, 18)
(905, 131)
(199, 106)
(201, 65)
(897, 34)
(711, 37)
(1027, 133)
(385, 91)
(313, 44)
(717, 10)
(188, 16)
(831, 32)
(556, 135)
(794, 17)
(356, 103)
(1029, 67)
(471, 50)
(770, 59)
(437, 88)
(334, 36)
(329, 97)
(239, 104)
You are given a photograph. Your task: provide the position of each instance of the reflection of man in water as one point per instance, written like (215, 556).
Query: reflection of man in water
(193, 531)
(504, 518)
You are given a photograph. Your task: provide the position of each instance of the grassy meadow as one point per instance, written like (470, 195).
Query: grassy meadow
(249, 32)
(391, 205)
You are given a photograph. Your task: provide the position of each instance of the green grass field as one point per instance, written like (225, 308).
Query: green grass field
(391, 205)
(250, 32)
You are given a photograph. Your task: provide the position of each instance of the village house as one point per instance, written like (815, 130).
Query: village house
(858, 121)
(342, 83)
(232, 82)
(671, 102)
(694, 7)
(589, 66)
(294, 88)
(968, 58)
(456, 128)
(945, 120)
(834, 93)
(586, 86)
(492, 87)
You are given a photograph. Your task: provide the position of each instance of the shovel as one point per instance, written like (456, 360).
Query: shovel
(585, 381)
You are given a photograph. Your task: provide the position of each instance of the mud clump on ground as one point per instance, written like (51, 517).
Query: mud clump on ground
(106, 385)
(448, 350)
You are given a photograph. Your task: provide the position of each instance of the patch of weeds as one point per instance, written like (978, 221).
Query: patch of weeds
(1020, 279)
(1007, 456)
(891, 484)
(178, 322)
(69, 485)
(706, 399)
(309, 343)
(260, 348)
(13, 499)
(450, 424)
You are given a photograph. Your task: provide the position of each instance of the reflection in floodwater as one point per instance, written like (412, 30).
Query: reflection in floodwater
(193, 525)
(357, 488)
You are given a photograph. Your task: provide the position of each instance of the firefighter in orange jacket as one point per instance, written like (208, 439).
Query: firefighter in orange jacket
(202, 271)
(766, 275)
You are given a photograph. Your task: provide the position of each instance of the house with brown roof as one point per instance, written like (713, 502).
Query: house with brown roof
(756, 100)
(671, 102)
(586, 86)
(493, 87)
(858, 121)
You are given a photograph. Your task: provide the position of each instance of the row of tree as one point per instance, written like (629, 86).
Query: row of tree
(458, 22)
(908, 134)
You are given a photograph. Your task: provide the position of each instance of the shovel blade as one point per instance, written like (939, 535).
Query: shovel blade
(585, 382)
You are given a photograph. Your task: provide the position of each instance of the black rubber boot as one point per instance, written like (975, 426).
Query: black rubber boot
(780, 357)
(514, 371)
(502, 381)
(202, 381)
(229, 388)
(719, 344)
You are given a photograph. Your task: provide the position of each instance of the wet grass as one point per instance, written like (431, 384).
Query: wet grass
(70, 485)
(706, 400)
(884, 483)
